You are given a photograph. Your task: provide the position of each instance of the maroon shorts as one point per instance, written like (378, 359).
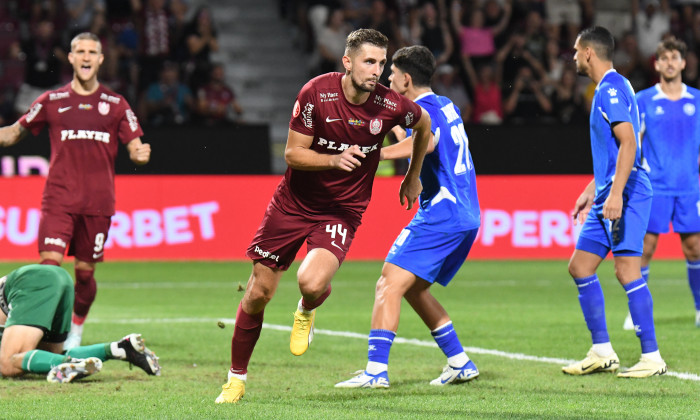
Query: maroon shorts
(84, 235)
(282, 233)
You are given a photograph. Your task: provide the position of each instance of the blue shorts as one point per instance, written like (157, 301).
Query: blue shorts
(683, 211)
(624, 236)
(432, 256)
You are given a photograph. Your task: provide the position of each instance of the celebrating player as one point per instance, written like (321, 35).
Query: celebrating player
(670, 146)
(333, 150)
(86, 121)
(437, 241)
(615, 206)
(36, 302)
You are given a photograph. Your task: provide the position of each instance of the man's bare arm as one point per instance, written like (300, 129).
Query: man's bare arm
(11, 134)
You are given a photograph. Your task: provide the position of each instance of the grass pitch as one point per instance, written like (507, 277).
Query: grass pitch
(520, 321)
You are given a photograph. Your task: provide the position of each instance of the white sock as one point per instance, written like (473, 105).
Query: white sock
(76, 329)
(243, 377)
(301, 308)
(654, 355)
(375, 368)
(117, 352)
(603, 349)
(458, 360)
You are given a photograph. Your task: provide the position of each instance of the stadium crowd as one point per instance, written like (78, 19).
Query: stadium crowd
(506, 60)
(158, 54)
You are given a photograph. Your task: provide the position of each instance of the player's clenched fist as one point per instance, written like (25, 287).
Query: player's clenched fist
(141, 154)
(347, 161)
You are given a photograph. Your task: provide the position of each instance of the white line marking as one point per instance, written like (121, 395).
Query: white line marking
(348, 334)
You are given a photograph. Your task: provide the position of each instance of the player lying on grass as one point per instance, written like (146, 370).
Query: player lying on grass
(36, 302)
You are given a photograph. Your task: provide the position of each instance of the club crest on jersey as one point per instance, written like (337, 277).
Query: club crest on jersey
(103, 108)
(689, 109)
(86, 107)
(375, 126)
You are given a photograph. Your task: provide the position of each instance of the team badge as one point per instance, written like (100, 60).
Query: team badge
(103, 107)
(375, 126)
(689, 109)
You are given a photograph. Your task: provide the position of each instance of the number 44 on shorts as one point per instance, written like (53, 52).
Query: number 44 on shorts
(337, 230)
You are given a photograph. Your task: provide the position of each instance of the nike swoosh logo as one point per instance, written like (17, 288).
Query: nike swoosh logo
(335, 245)
(62, 110)
(585, 368)
(329, 119)
(95, 256)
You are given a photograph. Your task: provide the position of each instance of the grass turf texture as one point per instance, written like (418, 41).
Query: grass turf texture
(516, 307)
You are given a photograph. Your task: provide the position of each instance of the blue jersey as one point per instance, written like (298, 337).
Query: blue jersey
(613, 102)
(671, 139)
(449, 201)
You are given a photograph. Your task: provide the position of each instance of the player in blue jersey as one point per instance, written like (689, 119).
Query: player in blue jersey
(437, 241)
(615, 207)
(670, 147)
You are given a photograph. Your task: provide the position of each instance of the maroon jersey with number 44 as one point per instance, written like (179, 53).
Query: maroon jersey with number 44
(85, 132)
(322, 111)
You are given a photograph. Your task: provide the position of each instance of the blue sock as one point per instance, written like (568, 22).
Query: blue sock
(645, 274)
(590, 296)
(446, 338)
(379, 345)
(642, 311)
(694, 281)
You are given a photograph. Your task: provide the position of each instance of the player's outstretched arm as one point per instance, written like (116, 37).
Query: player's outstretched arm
(404, 148)
(298, 155)
(411, 186)
(11, 134)
(584, 203)
(139, 153)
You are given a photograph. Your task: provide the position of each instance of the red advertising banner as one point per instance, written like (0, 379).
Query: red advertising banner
(214, 217)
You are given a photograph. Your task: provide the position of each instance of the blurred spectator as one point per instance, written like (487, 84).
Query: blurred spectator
(477, 39)
(177, 27)
(330, 42)
(384, 21)
(535, 35)
(563, 14)
(167, 101)
(494, 11)
(485, 83)
(44, 60)
(447, 84)
(127, 56)
(613, 15)
(652, 21)
(431, 30)
(628, 61)
(357, 11)
(553, 64)
(216, 101)
(691, 75)
(154, 41)
(81, 13)
(201, 42)
(527, 101)
(514, 55)
(567, 100)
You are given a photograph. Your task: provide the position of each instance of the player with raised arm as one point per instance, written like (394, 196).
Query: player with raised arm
(434, 245)
(614, 209)
(86, 123)
(36, 302)
(670, 147)
(336, 131)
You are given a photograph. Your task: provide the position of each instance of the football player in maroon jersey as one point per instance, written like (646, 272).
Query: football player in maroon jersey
(86, 122)
(335, 135)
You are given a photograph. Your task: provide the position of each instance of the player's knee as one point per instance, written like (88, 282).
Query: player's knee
(7, 369)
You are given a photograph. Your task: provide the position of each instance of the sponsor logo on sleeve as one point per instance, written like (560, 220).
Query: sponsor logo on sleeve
(409, 118)
(33, 111)
(306, 115)
(375, 126)
(296, 110)
(133, 121)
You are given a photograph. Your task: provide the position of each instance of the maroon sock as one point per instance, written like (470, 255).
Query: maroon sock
(85, 291)
(245, 335)
(49, 261)
(316, 303)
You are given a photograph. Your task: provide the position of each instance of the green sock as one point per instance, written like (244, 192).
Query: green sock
(100, 351)
(40, 361)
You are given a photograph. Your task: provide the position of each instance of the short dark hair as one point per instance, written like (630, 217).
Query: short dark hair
(417, 61)
(359, 37)
(600, 39)
(671, 44)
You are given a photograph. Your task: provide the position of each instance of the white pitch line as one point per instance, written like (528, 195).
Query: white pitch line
(348, 334)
